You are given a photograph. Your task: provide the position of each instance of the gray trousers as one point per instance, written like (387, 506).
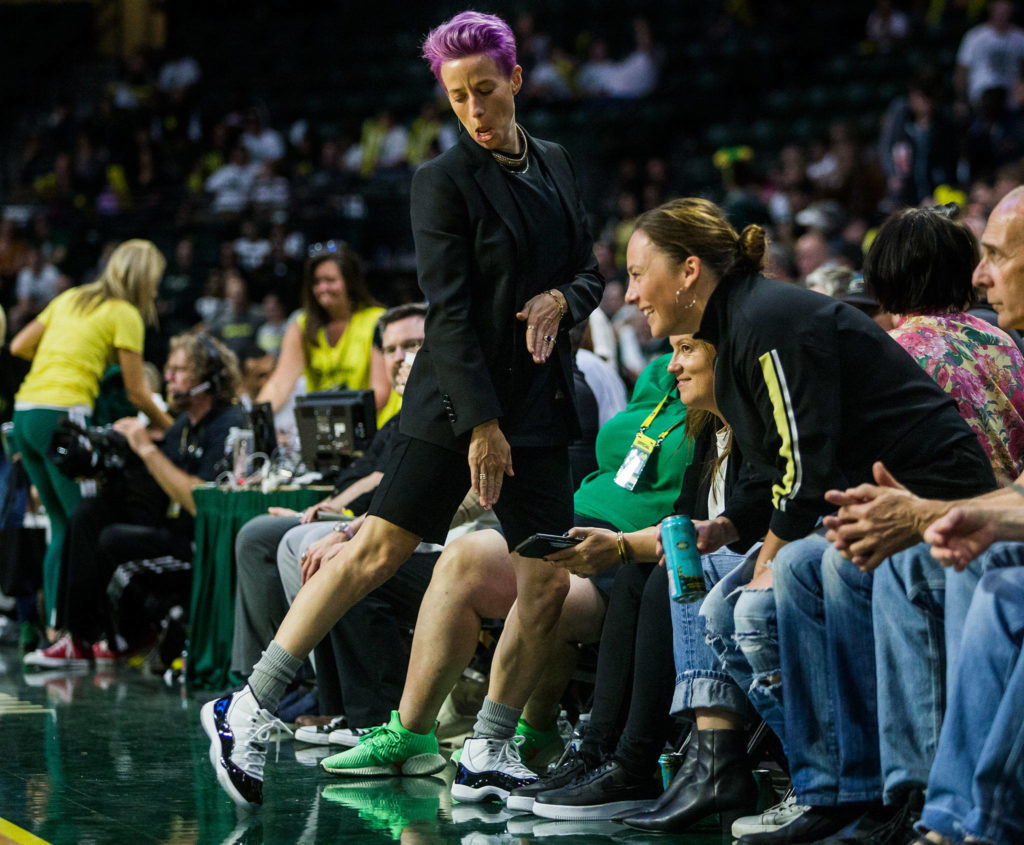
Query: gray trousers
(361, 664)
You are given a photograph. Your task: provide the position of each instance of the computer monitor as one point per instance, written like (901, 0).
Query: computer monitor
(334, 427)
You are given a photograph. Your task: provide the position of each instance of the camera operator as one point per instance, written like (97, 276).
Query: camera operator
(142, 519)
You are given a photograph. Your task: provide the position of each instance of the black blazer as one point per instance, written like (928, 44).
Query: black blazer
(468, 235)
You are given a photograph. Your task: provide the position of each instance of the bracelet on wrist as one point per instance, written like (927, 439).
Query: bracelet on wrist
(561, 306)
(620, 542)
(147, 450)
(344, 528)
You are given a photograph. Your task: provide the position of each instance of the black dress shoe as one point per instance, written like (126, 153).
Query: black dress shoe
(607, 792)
(714, 785)
(814, 825)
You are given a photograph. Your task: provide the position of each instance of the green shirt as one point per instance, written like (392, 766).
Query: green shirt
(599, 497)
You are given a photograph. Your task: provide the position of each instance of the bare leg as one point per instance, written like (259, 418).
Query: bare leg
(473, 579)
(364, 563)
(526, 641)
(717, 719)
(580, 622)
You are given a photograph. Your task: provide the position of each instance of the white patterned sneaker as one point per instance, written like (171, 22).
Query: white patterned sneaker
(773, 818)
(239, 729)
(490, 768)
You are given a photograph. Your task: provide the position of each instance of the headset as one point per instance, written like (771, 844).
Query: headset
(213, 373)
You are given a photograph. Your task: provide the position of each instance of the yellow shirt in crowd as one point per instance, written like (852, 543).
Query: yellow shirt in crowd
(77, 347)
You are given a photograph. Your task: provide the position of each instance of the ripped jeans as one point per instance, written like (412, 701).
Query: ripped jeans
(743, 633)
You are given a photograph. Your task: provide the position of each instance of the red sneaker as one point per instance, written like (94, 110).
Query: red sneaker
(67, 652)
(103, 653)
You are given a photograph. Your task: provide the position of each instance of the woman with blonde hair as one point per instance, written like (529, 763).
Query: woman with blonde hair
(70, 343)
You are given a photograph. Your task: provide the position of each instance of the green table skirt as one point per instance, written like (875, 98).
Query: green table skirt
(219, 516)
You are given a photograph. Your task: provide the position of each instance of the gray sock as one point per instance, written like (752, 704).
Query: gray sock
(272, 674)
(497, 720)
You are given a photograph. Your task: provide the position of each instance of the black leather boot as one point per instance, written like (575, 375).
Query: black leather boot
(714, 785)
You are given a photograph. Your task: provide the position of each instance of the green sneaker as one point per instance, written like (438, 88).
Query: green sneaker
(389, 751)
(539, 748)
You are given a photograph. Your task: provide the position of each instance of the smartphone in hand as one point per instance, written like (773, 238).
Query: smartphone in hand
(540, 545)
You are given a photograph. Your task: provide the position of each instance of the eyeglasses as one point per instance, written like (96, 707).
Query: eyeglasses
(325, 248)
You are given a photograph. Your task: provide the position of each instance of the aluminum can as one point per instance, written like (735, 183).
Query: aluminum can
(669, 764)
(682, 560)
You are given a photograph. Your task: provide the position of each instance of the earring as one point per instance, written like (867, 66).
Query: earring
(689, 304)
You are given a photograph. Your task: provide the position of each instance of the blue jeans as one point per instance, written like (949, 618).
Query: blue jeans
(828, 674)
(919, 609)
(741, 630)
(977, 782)
(700, 679)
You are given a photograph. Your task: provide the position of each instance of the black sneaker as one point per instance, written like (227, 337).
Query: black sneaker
(603, 793)
(569, 767)
(885, 825)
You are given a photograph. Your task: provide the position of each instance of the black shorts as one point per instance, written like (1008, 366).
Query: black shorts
(424, 484)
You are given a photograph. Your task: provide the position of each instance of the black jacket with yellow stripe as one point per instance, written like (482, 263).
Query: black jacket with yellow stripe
(816, 391)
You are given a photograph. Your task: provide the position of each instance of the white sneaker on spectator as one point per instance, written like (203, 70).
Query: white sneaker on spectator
(773, 818)
(319, 734)
(347, 737)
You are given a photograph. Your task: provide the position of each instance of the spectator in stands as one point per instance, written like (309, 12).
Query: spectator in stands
(38, 282)
(331, 341)
(596, 76)
(637, 74)
(231, 183)
(261, 142)
(239, 322)
(13, 255)
(153, 513)
(886, 27)
(475, 579)
(383, 144)
(428, 136)
(270, 190)
(917, 143)
(270, 334)
(255, 366)
(250, 248)
(690, 270)
(991, 55)
(70, 344)
(920, 267)
(613, 774)
(179, 290)
(811, 251)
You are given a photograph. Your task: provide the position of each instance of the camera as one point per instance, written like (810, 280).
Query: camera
(96, 452)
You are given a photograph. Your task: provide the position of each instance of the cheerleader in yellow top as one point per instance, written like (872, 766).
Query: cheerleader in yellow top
(331, 341)
(70, 344)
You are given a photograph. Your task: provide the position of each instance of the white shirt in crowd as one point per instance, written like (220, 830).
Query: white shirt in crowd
(992, 59)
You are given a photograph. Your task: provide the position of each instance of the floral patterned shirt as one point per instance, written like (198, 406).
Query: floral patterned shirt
(981, 368)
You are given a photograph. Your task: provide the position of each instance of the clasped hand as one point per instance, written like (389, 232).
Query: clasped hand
(874, 521)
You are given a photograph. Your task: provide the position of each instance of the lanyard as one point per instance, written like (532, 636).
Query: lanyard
(651, 417)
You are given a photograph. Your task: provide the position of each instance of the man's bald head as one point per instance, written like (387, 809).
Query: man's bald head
(1001, 271)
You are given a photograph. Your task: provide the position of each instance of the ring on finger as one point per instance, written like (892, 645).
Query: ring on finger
(549, 339)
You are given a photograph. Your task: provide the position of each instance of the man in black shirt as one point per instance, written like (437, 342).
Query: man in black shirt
(153, 519)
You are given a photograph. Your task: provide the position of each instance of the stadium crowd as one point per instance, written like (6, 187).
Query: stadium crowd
(821, 368)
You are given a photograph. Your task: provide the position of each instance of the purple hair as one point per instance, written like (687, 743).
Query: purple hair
(469, 34)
